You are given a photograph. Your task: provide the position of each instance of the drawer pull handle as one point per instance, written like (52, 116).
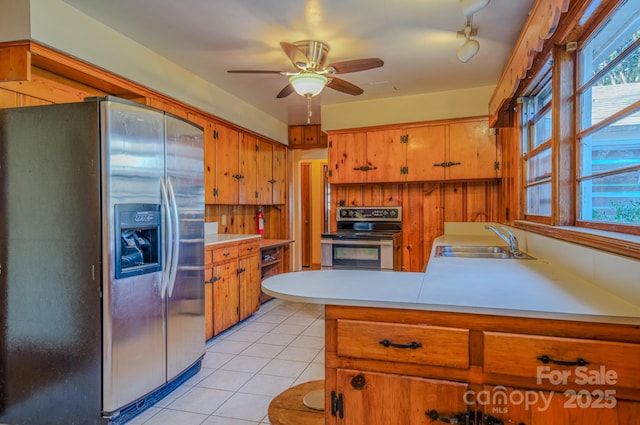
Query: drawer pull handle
(226, 254)
(413, 345)
(546, 359)
(214, 279)
(471, 417)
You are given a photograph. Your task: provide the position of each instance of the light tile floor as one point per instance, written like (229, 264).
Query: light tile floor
(245, 367)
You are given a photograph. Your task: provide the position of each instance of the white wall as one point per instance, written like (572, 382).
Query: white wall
(423, 107)
(14, 20)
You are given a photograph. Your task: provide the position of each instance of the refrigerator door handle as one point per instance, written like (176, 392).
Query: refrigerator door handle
(176, 239)
(167, 253)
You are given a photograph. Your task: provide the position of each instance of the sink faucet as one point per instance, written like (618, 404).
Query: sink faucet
(508, 237)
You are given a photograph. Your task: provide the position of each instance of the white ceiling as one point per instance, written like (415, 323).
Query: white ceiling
(416, 39)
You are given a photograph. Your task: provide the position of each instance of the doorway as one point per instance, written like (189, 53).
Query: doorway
(305, 214)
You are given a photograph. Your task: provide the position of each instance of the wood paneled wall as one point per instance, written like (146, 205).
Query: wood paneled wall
(425, 208)
(241, 219)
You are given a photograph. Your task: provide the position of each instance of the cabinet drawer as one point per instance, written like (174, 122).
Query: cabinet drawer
(249, 248)
(225, 252)
(432, 345)
(561, 360)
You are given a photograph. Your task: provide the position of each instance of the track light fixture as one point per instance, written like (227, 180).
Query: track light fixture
(470, 46)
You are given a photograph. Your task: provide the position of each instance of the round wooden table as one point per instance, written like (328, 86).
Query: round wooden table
(288, 407)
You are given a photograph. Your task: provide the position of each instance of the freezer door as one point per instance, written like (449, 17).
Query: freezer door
(134, 356)
(185, 289)
(50, 255)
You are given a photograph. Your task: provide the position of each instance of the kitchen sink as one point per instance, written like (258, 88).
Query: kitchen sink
(478, 251)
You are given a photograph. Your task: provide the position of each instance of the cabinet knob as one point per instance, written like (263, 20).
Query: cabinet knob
(358, 382)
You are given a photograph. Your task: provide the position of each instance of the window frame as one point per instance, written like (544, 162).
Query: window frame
(542, 81)
(632, 229)
(566, 199)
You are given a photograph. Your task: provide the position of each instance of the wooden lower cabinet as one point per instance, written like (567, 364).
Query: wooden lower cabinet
(249, 286)
(386, 398)
(532, 407)
(394, 366)
(208, 305)
(226, 293)
(232, 284)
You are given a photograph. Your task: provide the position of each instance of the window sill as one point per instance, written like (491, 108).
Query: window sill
(613, 242)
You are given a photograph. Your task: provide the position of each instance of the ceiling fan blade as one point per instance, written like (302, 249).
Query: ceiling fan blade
(344, 86)
(253, 71)
(297, 56)
(286, 91)
(355, 65)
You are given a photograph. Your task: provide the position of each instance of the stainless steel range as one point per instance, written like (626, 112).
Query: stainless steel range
(366, 238)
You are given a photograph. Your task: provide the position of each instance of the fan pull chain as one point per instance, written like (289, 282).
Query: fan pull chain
(308, 109)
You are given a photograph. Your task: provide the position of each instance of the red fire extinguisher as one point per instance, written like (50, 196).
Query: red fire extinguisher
(260, 219)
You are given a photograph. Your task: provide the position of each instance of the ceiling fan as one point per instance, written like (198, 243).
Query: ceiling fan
(309, 58)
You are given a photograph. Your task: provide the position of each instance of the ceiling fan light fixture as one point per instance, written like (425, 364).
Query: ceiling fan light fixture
(469, 7)
(308, 84)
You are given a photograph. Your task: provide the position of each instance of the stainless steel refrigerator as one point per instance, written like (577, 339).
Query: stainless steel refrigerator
(101, 260)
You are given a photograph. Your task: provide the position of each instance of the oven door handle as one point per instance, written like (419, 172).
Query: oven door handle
(350, 241)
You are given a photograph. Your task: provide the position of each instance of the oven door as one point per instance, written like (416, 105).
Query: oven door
(357, 254)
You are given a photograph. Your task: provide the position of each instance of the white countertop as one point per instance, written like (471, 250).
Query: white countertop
(217, 238)
(521, 288)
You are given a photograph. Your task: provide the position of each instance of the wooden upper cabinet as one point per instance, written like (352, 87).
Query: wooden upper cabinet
(247, 177)
(242, 169)
(456, 150)
(307, 137)
(264, 173)
(474, 146)
(425, 146)
(227, 164)
(384, 156)
(209, 163)
(346, 156)
(279, 174)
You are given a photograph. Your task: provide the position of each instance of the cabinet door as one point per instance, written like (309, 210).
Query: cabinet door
(560, 408)
(248, 179)
(382, 398)
(227, 172)
(279, 174)
(208, 305)
(264, 173)
(425, 147)
(474, 148)
(209, 163)
(225, 296)
(346, 156)
(296, 135)
(385, 156)
(249, 282)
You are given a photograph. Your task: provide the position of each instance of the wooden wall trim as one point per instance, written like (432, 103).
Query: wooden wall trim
(401, 126)
(602, 241)
(541, 24)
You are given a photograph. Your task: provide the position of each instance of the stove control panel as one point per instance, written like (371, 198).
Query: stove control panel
(369, 213)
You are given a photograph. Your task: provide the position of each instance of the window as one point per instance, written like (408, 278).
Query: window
(536, 150)
(608, 136)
